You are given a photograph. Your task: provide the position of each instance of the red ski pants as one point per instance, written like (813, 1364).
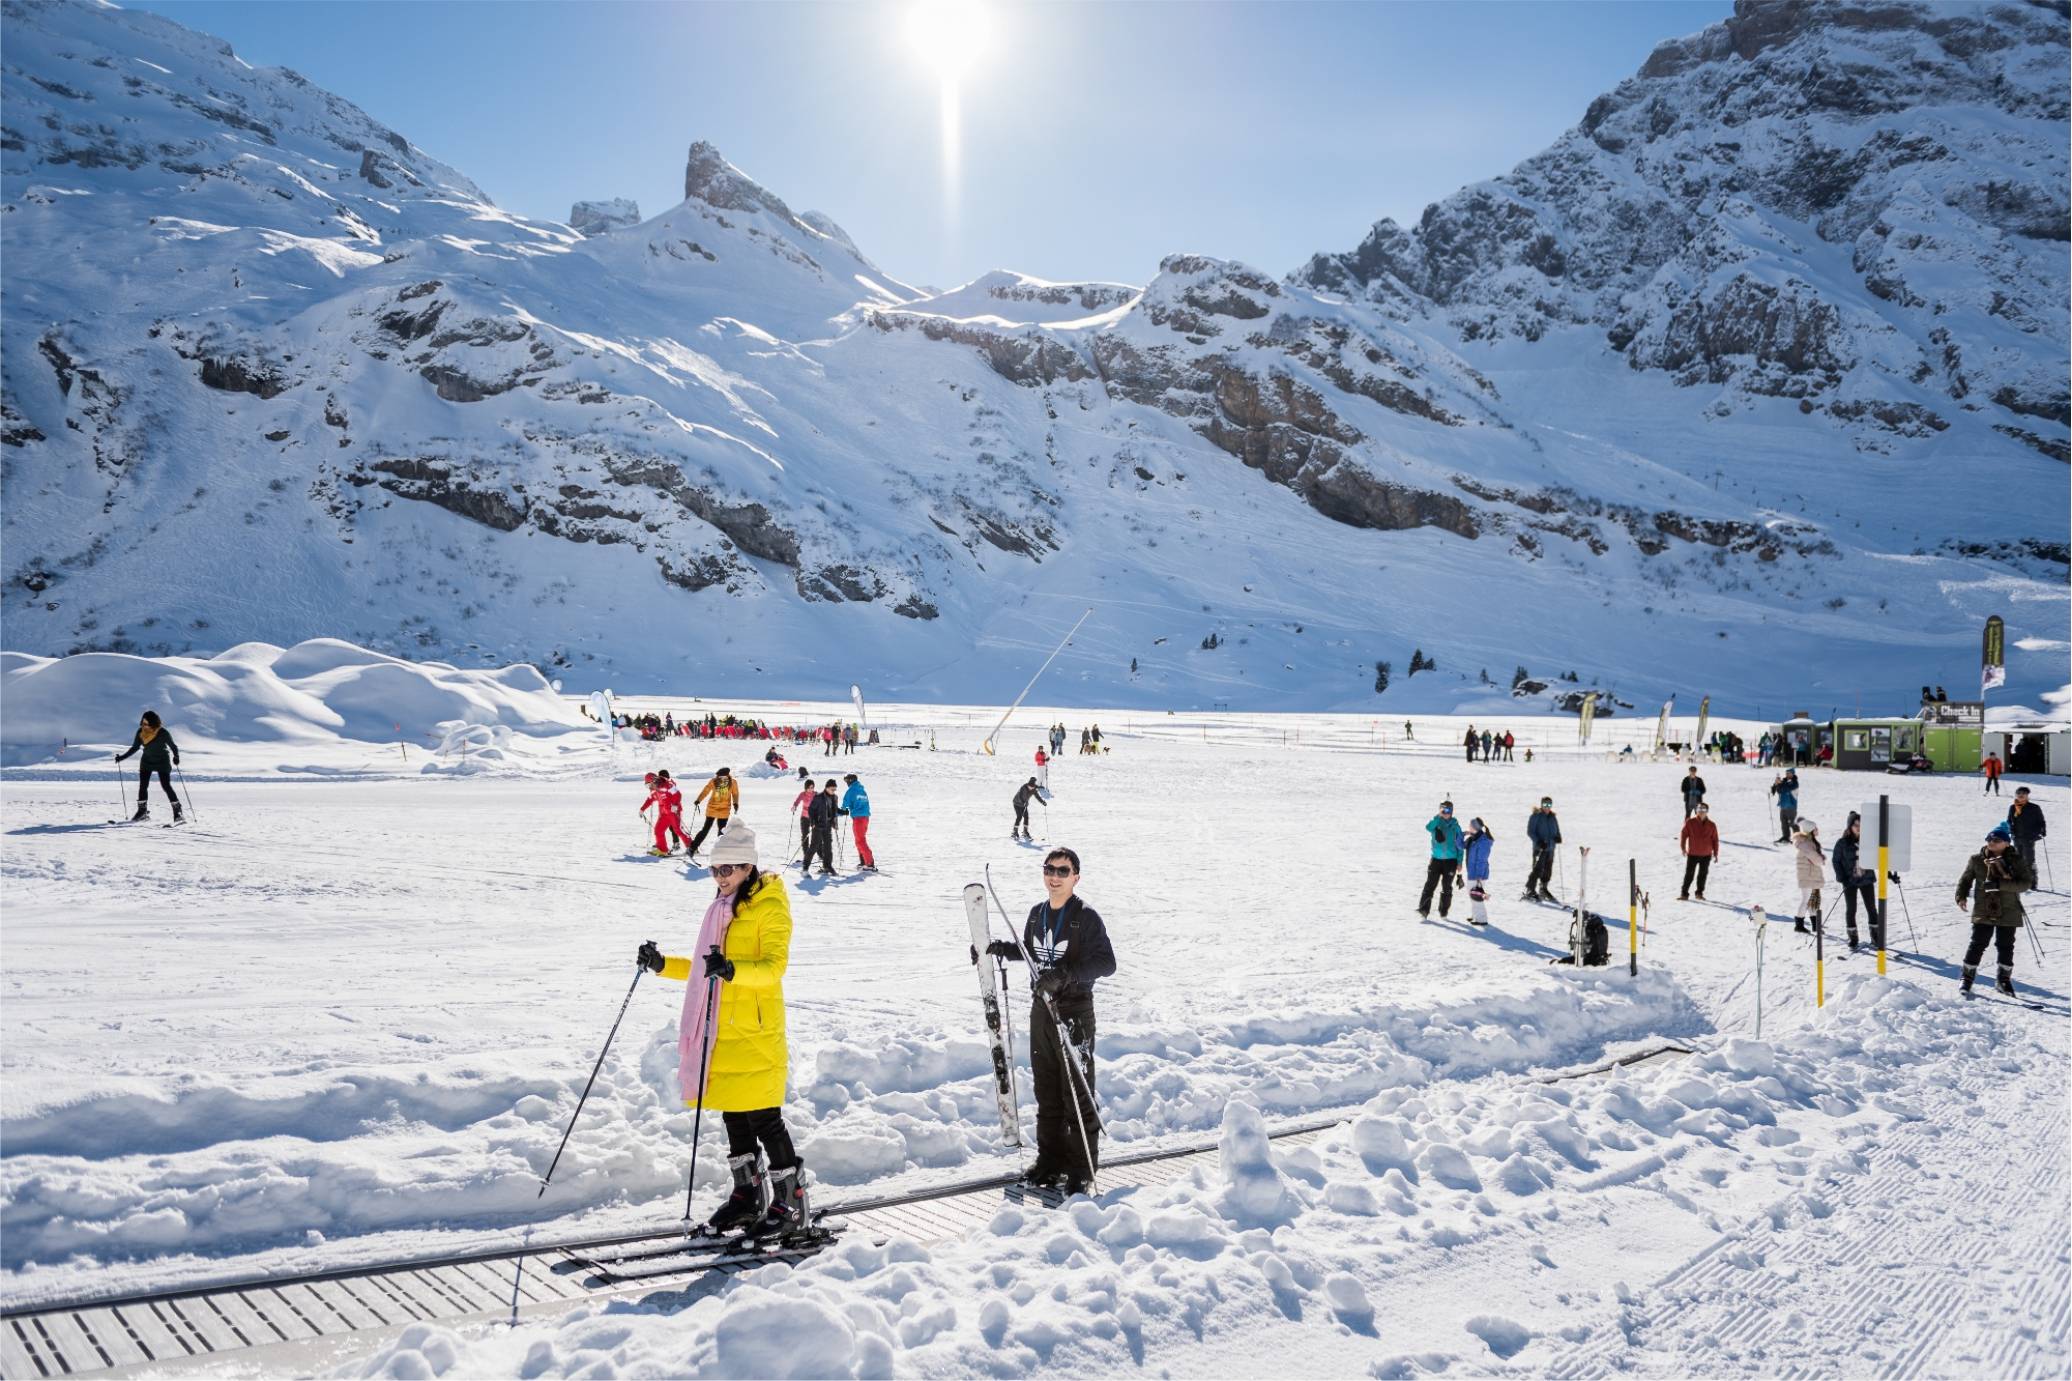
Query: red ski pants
(860, 825)
(666, 825)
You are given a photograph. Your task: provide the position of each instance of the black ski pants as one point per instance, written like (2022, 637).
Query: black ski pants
(165, 777)
(1985, 932)
(820, 840)
(1057, 1088)
(1438, 874)
(764, 1127)
(1021, 816)
(1992, 786)
(1864, 889)
(1542, 868)
(1787, 816)
(1696, 866)
(698, 841)
(2027, 849)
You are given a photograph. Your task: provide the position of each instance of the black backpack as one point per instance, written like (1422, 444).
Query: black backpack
(1597, 941)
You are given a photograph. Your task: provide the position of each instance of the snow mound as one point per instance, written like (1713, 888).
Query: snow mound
(319, 691)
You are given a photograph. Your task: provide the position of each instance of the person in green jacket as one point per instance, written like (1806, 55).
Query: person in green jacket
(161, 755)
(1444, 832)
(2000, 877)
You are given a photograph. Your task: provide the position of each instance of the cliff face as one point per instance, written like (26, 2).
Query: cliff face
(1773, 342)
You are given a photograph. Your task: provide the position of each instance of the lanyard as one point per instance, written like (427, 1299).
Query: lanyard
(1053, 925)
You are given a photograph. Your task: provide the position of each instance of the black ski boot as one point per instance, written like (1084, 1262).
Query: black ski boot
(1798, 926)
(744, 1207)
(1042, 1174)
(1854, 943)
(2005, 982)
(143, 812)
(1970, 972)
(178, 815)
(790, 1215)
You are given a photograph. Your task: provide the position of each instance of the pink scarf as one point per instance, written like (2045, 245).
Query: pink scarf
(693, 1041)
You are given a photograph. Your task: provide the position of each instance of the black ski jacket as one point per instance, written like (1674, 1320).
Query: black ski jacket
(1844, 858)
(1693, 788)
(1080, 948)
(822, 812)
(1021, 800)
(160, 752)
(2026, 822)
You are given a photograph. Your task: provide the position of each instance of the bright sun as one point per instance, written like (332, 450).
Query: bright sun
(950, 37)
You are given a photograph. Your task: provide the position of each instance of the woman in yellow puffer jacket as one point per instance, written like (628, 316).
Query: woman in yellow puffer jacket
(744, 943)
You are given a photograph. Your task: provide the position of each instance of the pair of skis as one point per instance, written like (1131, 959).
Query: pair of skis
(696, 1252)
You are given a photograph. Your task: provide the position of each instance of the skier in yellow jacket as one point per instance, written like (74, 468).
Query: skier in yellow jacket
(733, 1059)
(722, 799)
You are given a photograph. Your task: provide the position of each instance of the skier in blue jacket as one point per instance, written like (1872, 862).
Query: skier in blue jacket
(1786, 789)
(856, 804)
(1543, 828)
(1444, 832)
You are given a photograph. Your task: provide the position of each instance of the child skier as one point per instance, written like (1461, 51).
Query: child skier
(1042, 767)
(667, 800)
(1810, 860)
(725, 798)
(1477, 845)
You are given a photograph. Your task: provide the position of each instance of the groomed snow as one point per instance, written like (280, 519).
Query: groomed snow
(343, 1018)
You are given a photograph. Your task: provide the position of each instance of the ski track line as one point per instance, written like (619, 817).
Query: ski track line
(1826, 1300)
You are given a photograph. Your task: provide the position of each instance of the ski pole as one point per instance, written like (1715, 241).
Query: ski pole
(638, 970)
(704, 1066)
(1762, 926)
(187, 791)
(1081, 1084)
(1046, 819)
(1013, 1082)
(1907, 912)
(122, 789)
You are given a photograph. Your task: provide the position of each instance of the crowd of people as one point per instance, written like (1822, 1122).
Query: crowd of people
(832, 738)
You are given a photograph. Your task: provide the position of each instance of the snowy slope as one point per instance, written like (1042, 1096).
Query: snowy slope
(241, 311)
(340, 1020)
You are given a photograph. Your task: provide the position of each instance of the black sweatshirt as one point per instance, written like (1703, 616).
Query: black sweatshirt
(1080, 948)
(160, 752)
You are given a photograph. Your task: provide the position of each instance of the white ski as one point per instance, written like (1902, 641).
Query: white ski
(989, 997)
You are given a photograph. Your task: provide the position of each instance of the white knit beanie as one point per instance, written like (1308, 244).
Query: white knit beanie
(737, 845)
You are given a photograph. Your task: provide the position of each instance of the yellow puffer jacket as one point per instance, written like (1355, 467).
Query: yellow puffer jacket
(726, 797)
(749, 1057)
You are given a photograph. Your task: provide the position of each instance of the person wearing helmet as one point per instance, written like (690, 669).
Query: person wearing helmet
(668, 805)
(1811, 862)
(1445, 834)
(1999, 877)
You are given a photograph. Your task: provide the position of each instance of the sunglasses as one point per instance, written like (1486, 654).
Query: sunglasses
(1053, 871)
(727, 870)
(1446, 810)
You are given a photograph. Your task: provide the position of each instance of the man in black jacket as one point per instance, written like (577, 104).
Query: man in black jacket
(161, 755)
(1693, 788)
(820, 831)
(1066, 946)
(2025, 823)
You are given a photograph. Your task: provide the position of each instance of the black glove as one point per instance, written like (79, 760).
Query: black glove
(1050, 982)
(1004, 949)
(718, 966)
(974, 953)
(649, 957)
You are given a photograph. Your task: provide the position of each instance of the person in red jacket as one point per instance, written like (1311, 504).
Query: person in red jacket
(668, 803)
(1042, 768)
(1992, 768)
(1700, 843)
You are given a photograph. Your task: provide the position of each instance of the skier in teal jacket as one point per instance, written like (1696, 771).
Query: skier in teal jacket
(1444, 832)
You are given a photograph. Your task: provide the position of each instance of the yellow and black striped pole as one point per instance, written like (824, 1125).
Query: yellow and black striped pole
(1632, 917)
(1819, 955)
(1883, 833)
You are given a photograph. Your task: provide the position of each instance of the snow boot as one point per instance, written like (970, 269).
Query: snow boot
(789, 1211)
(1970, 972)
(657, 853)
(1798, 926)
(143, 812)
(2005, 982)
(178, 814)
(744, 1207)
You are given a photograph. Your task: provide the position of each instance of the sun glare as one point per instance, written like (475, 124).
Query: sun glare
(948, 36)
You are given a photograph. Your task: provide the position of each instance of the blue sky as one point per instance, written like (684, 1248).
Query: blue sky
(1095, 138)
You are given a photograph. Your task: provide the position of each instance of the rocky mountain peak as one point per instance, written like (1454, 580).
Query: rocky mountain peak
(708, 177)
(591, 218)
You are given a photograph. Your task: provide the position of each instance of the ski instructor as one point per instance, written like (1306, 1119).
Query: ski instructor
(744, 942)
(1066, 946)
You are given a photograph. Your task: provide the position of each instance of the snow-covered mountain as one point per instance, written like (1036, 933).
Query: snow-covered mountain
(1754, 384)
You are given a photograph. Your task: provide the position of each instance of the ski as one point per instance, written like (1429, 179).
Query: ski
(989, 1000)
(690, 1244)
(740, 1255)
